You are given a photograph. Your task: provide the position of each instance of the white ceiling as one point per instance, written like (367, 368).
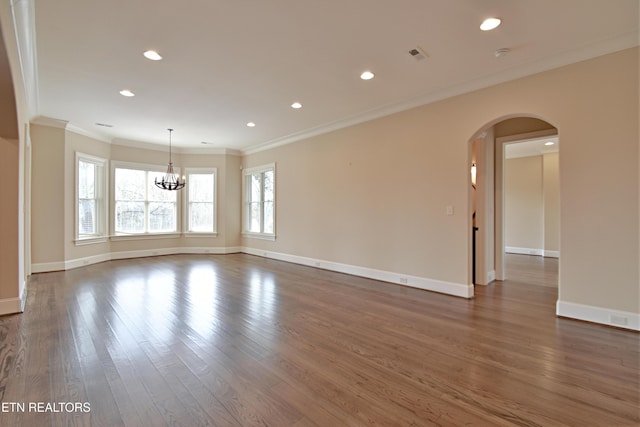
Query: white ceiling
(531, 147)
(228, 62)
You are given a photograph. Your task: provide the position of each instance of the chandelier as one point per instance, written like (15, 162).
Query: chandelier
(170, 181)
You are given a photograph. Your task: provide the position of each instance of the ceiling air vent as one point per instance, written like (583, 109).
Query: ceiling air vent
(417, 54)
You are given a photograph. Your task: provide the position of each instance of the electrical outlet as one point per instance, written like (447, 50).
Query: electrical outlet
(619, 320)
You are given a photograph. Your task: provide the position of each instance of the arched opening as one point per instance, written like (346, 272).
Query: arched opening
(489, 238)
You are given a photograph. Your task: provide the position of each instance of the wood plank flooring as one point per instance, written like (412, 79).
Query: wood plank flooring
(532, 270)
(238, 340)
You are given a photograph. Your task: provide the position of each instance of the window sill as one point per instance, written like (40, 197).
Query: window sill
(199, 234)
(259, 236)
(90, 240)
(145, 236)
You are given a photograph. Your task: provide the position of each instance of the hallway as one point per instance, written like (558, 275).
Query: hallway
(532, 270)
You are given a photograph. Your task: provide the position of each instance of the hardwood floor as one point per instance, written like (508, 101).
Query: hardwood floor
(238, 340)
(532, 270)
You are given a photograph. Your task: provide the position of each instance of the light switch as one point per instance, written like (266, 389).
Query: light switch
(449, 210)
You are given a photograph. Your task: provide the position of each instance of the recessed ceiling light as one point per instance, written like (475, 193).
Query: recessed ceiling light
(549, 143)
(127, 92)
(251, 124)
(206, 143)
(367, 75)
(104, 125)
(152, 55)
(490, 24)
(296, 105)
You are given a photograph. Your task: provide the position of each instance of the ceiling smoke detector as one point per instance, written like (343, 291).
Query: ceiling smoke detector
(501, 52)
(417, 54)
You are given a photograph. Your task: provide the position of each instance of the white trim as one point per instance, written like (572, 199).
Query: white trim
(130, 143)
(45, 267)
(90, 134)
(198, 234)
(491, 276)
(450, 288)
(14, 305)
(246, 173)
(11, 306)
(523, 251)
(259, 236)
(81, 262)
(50, 122)
(91, 241)
(101, 182)
(604, 316)
(532, 251)
(528, 136)
(145, 236)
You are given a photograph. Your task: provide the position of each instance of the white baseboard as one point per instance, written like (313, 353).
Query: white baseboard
(14, 305)
(81, 262)
(532, 251)
(450, 288)
(523, 251)
(605, 316)
(491, 276)
(44, 267)
(551, 254)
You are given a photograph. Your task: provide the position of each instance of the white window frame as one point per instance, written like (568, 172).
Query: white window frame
(102, 203)
(246, 176)
(187, 204)
(146, 234)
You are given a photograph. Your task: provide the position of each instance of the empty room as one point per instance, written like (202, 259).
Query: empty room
(300, 213)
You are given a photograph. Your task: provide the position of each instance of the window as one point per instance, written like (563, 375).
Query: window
(91, 204)
(259, 202)
(201, 200)
(140, 206)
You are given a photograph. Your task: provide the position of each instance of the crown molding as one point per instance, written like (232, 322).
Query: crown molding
(50, 122)
(182, 150)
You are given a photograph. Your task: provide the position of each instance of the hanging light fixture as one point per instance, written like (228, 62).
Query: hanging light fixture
(170, 181)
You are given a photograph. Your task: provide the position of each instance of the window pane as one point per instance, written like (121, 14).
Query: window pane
(130, 217)
(201, 217)
(162, 216)
(268, 186)
(130, 184)
(86, 180)
(201, 187)
(268, 217)
(87, 217)
(255, 187)
(254, 217)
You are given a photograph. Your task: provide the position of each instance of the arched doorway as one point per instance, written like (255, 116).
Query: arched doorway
(487, 190)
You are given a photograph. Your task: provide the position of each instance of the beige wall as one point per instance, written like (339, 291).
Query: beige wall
(9, 276)
(551, 190)
(375, 194)
(524, 203)
(53, 193)
(48, 238)
(532, 208)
